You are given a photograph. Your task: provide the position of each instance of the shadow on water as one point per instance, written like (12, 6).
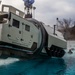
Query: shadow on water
(40, 66)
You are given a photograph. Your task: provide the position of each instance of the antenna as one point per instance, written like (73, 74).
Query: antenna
(0, 2)
(28, 8)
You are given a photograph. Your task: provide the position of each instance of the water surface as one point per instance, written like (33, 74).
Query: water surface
(39, 66)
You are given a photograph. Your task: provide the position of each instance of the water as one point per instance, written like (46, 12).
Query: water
(39, 66)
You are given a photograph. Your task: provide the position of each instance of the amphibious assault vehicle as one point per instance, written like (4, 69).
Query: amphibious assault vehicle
(27, 37)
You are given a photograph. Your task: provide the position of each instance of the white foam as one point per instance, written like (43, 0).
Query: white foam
(8, 61)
